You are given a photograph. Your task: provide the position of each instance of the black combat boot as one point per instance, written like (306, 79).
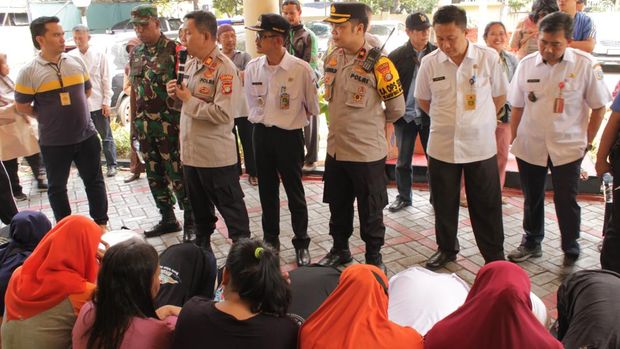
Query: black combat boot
(168, 224)
(189, 229)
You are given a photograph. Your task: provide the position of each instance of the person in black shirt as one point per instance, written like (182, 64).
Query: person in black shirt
(252, 312)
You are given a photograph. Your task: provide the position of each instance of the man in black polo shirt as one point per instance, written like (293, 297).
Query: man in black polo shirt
(54, 88)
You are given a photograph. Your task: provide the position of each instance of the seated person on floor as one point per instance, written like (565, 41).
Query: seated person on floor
(186, 271)
(589, 310)
(420, 298)
(355, 315)
(122, 312)
(496, 314)
(26, 229)
(310, 287)
(46, 293)
(252, 313)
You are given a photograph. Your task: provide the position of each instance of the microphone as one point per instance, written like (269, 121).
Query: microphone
(181, 70)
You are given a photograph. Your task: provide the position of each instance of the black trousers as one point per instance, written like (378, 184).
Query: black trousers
(565, 179)
(12, 168)
(280, 154)
(8, 209)
(86, 156)
(219, 187)
(245, 129)
(610, 254)
(483, 200)
(346, 181)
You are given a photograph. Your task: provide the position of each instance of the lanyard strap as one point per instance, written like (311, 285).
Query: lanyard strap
(56, 68)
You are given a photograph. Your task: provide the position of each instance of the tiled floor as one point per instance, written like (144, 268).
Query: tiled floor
(410, 237)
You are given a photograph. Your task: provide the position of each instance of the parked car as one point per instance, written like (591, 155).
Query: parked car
(382, 30)
(607, 49)
(323, 32)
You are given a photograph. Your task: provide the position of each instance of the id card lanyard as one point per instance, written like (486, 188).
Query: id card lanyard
(65, 98)
(470, 97)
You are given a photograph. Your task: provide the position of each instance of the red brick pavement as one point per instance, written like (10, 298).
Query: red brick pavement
(410, 238)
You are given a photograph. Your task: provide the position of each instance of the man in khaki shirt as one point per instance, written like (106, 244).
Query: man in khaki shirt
(355, 87)
(210, 98)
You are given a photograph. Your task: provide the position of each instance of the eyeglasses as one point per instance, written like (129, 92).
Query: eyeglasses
(265, 36)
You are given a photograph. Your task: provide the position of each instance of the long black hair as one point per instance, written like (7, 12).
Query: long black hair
(255, 275)
(123, 291)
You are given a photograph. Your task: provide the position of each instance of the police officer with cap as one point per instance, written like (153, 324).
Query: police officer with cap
(281, 92)
(358, 79)
(210, 96)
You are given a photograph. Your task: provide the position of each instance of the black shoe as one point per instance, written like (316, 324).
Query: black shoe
(398, 205)
(377, 261)
(163, 227)
(42, 184)
(274, 245)
(302, 256)
(336, 258)
(20, 197)
(439, 259)
(189, 234)
(132, 178)
(568, 264)
(111, 171)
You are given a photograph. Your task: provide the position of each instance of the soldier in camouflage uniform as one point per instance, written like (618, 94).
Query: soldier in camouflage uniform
(154, 124)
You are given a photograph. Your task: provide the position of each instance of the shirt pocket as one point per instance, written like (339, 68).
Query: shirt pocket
(439, 86)
(571, 91)
(534, 91)
(259, 95)
(357, 94)
(289, 98)
(440, 92)
(328, 81)
(205, 90)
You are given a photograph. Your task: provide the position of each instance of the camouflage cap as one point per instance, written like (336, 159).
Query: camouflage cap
(142, 13)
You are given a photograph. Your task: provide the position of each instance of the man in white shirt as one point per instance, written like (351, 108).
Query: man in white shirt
(281, 93)
(551, 93)
(99, 100)
(462, 86)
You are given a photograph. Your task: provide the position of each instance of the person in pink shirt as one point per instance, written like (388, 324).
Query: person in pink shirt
(122, 313)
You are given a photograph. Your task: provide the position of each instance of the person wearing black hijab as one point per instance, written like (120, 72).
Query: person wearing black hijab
(589, 310)
(8, 209)
(27, 228)
(310, 287)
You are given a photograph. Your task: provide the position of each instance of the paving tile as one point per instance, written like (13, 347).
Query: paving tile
(410, 233)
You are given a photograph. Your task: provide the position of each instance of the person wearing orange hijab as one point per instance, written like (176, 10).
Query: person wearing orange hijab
(45, 294)
(496, 314)
(355, 315)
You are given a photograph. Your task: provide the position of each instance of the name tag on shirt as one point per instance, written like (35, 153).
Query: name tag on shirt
(65, 99)
(440, 78)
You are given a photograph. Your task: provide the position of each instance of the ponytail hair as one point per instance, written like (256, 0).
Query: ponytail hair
(254, 270)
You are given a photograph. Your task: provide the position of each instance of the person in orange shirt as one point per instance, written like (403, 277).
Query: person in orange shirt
(355, 315)
(46, 293)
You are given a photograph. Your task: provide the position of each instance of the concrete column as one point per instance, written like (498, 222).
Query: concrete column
(252, 9)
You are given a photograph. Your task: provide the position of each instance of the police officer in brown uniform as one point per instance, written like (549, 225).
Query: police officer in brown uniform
(210, 98)
(357, 80)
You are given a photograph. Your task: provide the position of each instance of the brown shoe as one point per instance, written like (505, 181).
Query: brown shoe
(132, 178)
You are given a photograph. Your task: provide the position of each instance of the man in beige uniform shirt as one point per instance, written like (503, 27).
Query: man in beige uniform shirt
(357, 80)
(210, 98)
